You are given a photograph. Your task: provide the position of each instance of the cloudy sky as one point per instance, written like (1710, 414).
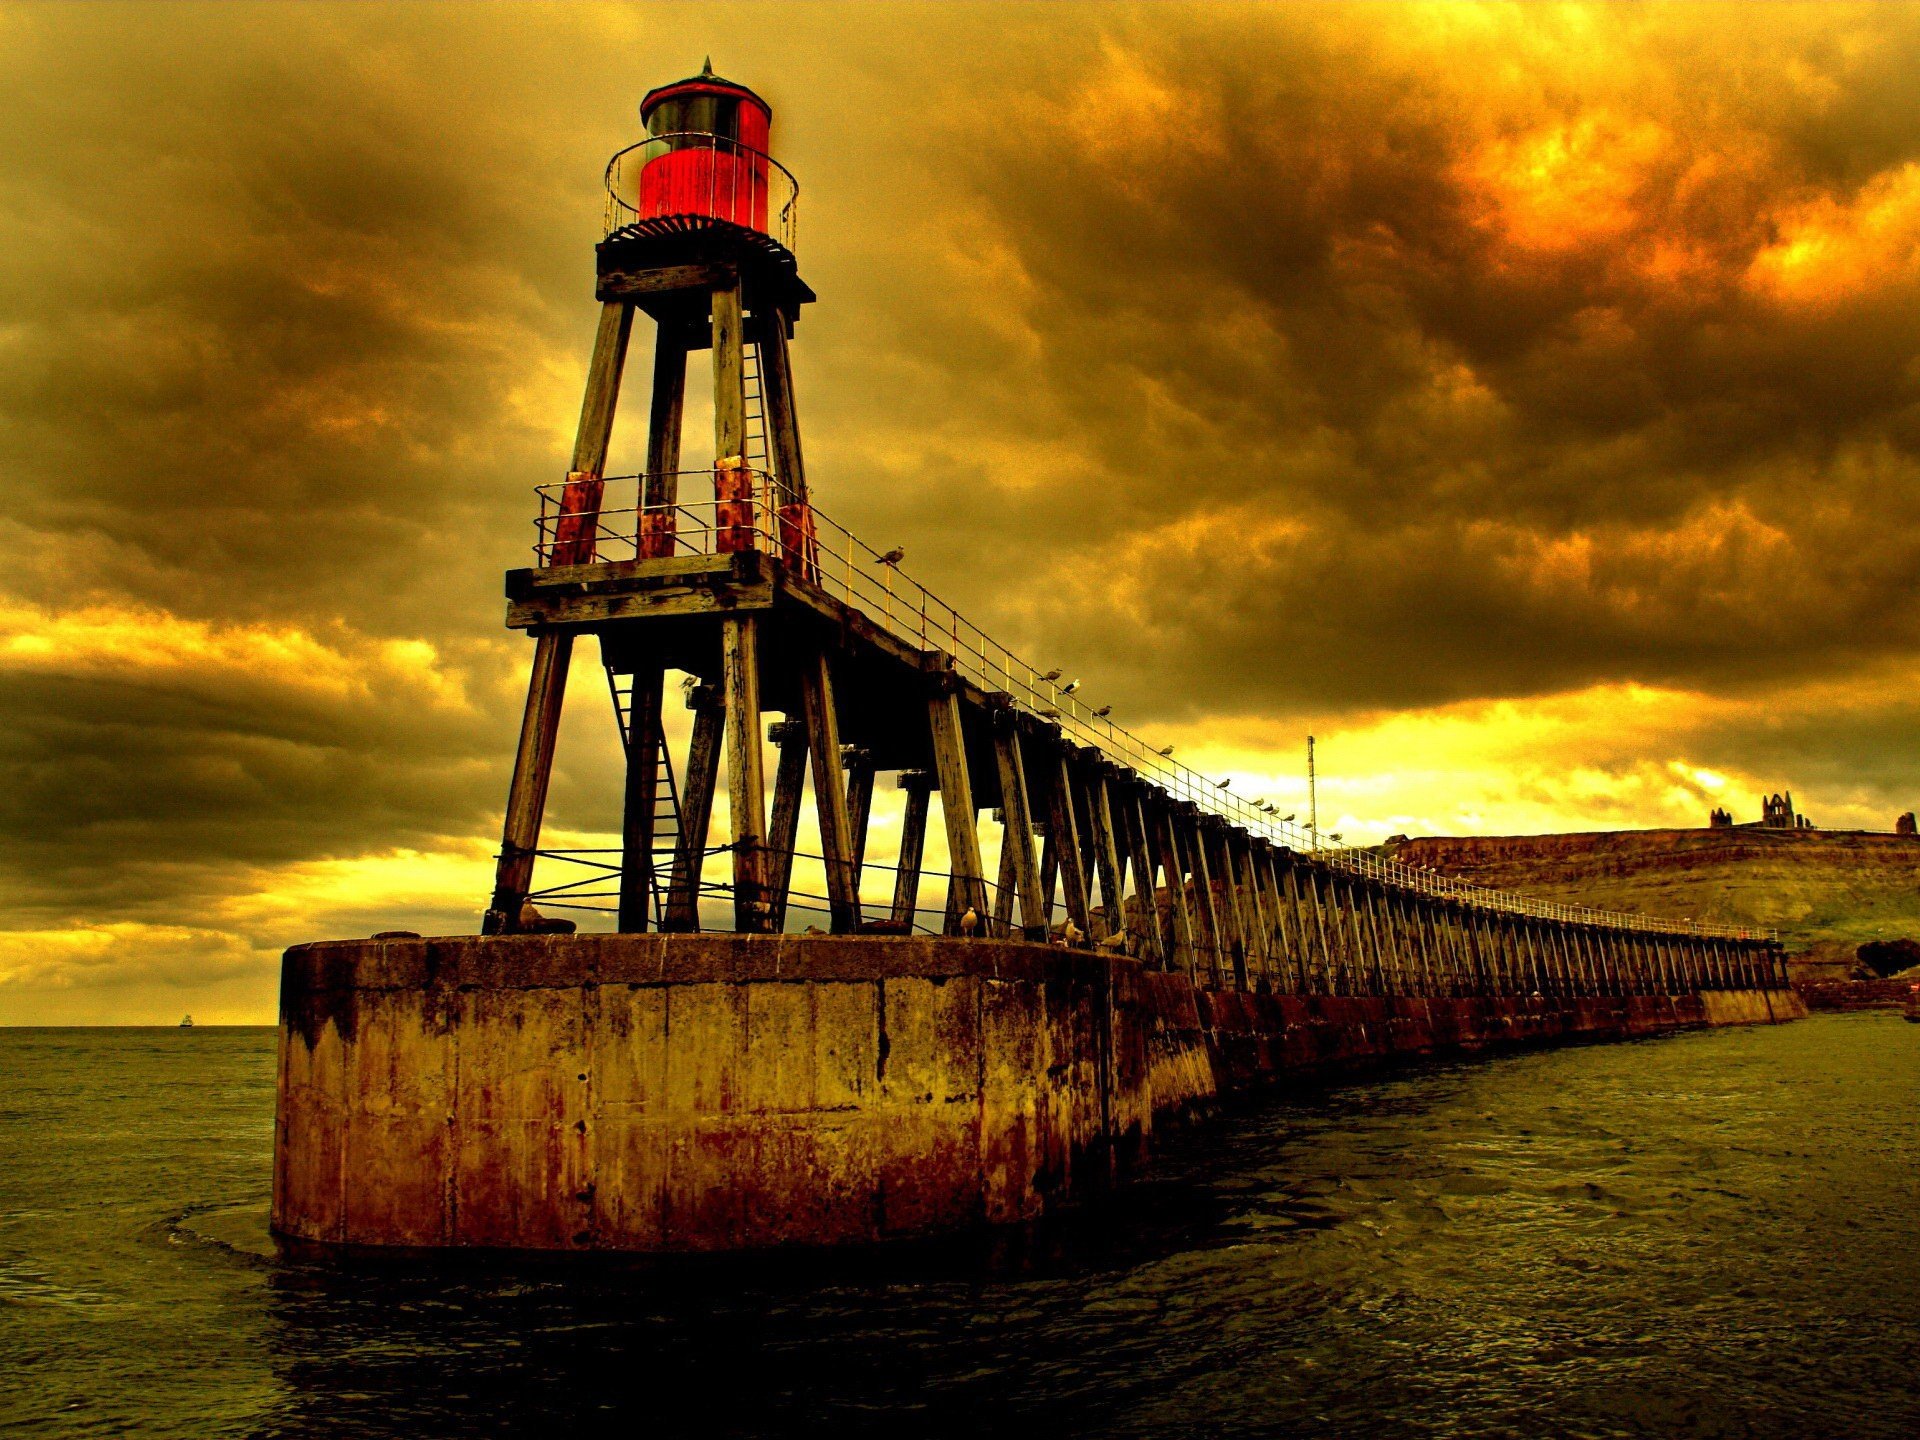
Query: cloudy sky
(1523, 399)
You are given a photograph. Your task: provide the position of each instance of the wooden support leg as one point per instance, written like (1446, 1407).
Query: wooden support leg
(641, 800)
(553, 654)
(913, 845)
(789, 775)
(1063, 839)
(696, 808)
(1195, 842)
(532, 769)
(1186, 947)
(746, 780)
(1106, 850)
(829, 795)
(1019, 868)
(969, 888)
(1148, 937)
(859, 768)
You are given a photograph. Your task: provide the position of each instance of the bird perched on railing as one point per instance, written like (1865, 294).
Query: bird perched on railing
(1268, 806)
(1051, 675)
(892, 557)
(1286, 819)
(1164, 753)
(1223, 784)
(1069, 687)
(1103, 712)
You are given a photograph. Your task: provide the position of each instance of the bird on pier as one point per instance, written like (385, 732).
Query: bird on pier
(1103, 712)
(1223, 784)
(1070, 687)
(1115, 943)
(970, 921)
(1268, 806)
(1286, 819)
(1051, 675)
(1070, 933)
(1050, 714)
(1164, 753)
(892, 557)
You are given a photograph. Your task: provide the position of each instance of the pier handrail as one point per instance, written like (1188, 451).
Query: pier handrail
(841, 564)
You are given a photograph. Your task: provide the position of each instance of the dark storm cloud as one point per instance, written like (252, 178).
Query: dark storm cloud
(1252, 360)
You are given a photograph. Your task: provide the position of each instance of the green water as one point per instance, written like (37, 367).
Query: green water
(1706, 1235)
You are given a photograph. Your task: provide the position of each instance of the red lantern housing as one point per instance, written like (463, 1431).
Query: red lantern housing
(705, 156)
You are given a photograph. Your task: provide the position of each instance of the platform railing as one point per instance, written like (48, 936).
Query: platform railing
(698, 176)
(760, 515)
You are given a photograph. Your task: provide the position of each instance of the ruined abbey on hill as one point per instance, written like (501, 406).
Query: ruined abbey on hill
(1776, 813)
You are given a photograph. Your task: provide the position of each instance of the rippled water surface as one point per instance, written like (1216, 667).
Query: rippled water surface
(1715, 1234)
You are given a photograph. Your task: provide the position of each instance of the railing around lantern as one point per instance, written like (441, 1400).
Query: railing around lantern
(694, 175)
(586, 518)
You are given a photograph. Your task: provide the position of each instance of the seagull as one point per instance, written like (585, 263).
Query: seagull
(1269, 807)
(1071, 933)
(1334, 835)
(1051, 675)
(970, 921)
(1224, 783)
(1116, 942)
(1070, 687)
(1166, 752)
(1050, 714)
(892, 557)
(1103, 712)
(1286, 820)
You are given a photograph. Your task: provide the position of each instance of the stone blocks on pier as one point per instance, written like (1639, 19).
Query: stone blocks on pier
(663, 1093)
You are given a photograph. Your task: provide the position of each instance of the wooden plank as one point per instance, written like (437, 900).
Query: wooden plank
(1020, 868)
(969, 889)
(553, 653)
(789, 737)
(641, 795)
(574, 613)
(829, 795)
(620, 576)
(913, 844)
(682, 912)
(619, 283)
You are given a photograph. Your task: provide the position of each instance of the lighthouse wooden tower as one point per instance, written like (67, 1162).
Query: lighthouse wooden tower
(699, 241)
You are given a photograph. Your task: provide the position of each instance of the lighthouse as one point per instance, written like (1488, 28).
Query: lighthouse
(700, 222)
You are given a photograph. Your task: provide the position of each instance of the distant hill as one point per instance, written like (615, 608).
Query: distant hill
(1826, 891)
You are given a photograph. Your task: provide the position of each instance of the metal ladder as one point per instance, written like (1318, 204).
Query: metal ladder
(756, 407)
(666, 795)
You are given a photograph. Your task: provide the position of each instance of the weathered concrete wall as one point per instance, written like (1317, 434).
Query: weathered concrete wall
(1854, 994)
(676, 1093)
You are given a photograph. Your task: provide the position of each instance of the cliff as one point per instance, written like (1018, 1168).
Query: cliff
(1826, 891)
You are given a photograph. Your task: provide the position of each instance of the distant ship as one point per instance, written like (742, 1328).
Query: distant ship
(186, 1022)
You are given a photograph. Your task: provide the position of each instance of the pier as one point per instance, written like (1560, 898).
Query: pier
(743, 1061)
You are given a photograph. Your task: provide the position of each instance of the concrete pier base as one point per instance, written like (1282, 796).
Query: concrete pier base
(673, 1093)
